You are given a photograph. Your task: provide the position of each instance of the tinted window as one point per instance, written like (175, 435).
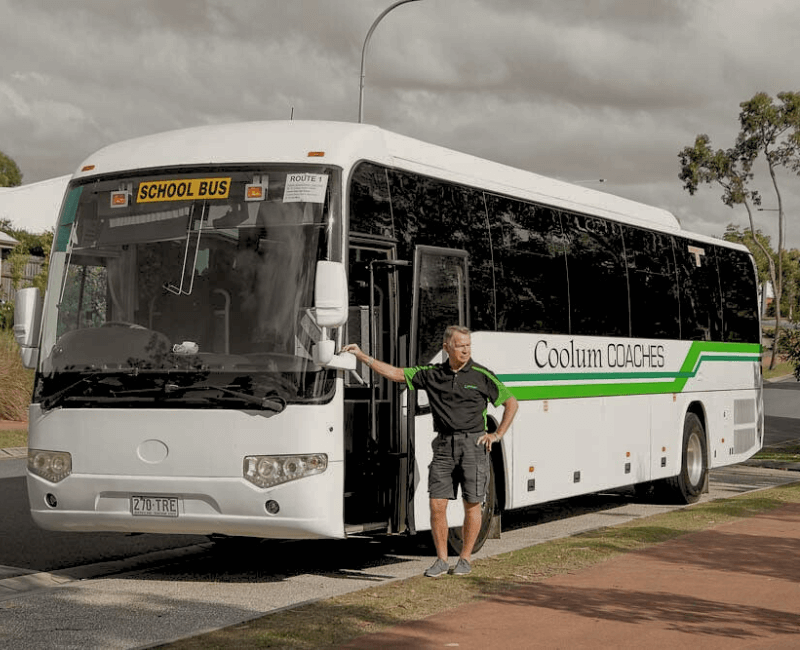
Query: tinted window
(434, 213)
(370, 212)
(530, 269)
(739, 296)
(653, 279)
(701, 311)
(598, 287)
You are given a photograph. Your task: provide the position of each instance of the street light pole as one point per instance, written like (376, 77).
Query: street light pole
(364, 56)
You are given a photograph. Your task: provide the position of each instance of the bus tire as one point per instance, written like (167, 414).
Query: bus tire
(455, 539)
(687, 486)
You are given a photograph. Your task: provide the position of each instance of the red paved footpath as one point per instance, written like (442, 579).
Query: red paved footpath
(12, 424)
(732, 586)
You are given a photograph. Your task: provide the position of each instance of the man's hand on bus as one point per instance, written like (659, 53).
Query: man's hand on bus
(488, 439)
(384, 369)
(510, 407)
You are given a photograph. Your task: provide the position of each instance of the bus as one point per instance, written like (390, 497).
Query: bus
(189, 377)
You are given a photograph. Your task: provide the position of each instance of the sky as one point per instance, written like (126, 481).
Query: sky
(573, 89)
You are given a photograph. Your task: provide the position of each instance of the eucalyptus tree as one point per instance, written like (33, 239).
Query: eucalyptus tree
(767, 129)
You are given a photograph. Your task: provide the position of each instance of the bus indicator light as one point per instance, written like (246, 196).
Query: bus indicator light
(119, 199)
(316, 154)
(253, 192)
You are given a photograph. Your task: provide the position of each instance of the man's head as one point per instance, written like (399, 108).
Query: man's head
(457, 345)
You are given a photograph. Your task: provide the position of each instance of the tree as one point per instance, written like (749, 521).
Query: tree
(10, 176)
(768, 129)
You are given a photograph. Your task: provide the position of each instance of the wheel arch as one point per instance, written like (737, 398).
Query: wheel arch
(498, 464)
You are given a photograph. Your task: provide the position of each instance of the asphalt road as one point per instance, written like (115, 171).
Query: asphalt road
(781, 411)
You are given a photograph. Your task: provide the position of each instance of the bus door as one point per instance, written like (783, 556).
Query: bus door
(375, 453)
(441, 298)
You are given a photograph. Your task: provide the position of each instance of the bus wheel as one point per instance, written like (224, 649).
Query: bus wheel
(455, 538)
(687, 486)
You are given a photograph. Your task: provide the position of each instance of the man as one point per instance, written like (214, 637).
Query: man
(458, 390)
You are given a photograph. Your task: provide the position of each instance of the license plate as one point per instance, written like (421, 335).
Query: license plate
(154, 506)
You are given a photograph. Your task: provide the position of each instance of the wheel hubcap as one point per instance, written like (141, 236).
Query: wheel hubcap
(694, 458)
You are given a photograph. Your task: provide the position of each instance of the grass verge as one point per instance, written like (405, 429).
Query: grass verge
(337, 620)
(789, 451)
(14, 438)
(16, 381)
(781, 369)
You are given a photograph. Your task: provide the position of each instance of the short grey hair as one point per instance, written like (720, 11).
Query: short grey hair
(452, 330)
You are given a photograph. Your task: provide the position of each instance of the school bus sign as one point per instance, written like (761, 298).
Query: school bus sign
(183, 189)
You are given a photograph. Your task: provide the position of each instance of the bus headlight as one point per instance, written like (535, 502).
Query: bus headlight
(53, 466)
(267, 471)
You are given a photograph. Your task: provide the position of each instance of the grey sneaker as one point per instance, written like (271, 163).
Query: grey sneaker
(438, 568)
(462, 567)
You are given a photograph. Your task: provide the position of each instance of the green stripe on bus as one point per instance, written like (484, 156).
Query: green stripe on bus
(699, 353)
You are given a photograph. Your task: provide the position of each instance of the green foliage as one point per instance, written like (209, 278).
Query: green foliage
(31, 243)
(38, 245)
(6, 315)
(789, 344)
(731, 169)
(10, 176)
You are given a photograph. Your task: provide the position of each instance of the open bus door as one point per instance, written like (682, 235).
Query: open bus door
(376, 454)
(441, 298)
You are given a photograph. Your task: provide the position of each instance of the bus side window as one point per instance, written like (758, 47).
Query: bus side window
(653, 280)
(598, 286)
(701, 309)
(530, 268)
(739, 296)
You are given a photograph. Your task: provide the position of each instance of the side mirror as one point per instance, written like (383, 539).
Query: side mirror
(331, 302)
(330, 294)
(27, 321)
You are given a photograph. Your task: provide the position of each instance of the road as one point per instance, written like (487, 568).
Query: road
(61, 590)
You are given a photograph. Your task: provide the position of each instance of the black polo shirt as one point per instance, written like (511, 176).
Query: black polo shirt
(458, 399)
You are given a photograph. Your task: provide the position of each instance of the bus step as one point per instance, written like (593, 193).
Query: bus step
(357, 529)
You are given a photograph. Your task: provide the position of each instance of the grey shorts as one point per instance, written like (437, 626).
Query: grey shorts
(458, 460)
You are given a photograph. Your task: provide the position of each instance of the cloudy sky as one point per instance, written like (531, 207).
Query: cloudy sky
(574, 89)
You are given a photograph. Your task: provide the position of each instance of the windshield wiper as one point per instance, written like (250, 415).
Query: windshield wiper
(52, 400)
(269, 402)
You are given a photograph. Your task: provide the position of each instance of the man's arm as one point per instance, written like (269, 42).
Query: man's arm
(382, 368)
(510, 407)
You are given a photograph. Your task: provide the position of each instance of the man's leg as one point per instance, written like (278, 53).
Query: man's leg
(472, 526)
(439, 527)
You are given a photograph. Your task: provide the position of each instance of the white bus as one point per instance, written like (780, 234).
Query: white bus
(202, 281)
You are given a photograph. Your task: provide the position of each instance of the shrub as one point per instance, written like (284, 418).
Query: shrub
(16, 381)
(789, 345)
(6, 315)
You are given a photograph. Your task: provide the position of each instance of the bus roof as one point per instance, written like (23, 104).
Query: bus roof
(344, 144)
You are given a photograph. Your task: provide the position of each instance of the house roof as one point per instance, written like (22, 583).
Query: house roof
(7, 241)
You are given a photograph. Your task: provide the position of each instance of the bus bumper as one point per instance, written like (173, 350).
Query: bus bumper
(307, 508)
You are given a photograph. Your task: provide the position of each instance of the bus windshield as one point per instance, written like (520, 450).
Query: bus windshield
(191, 289)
